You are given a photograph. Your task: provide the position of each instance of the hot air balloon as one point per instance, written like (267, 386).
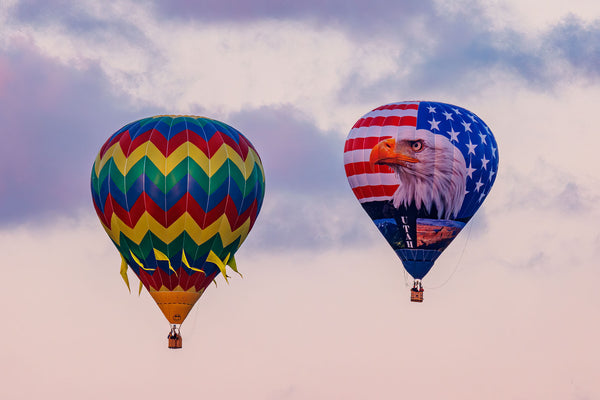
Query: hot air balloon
(177, 195)
(420, 170)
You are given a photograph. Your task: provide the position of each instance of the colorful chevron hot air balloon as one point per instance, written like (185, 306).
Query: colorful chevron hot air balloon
(420, 170)
(177, 195)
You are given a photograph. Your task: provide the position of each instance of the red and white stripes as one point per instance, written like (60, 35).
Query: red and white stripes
(375, 183)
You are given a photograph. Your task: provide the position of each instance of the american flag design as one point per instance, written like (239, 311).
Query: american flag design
(420, 170)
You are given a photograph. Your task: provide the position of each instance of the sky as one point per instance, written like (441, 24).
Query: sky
(323, 309)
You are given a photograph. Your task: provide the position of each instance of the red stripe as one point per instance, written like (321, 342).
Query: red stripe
(363, 143)
(245, 142)
(196, 279)
(186, 280)
(148, 280)
(243, 147)
(393, 120)
(362, 192)
(109, 143)
(202, 283)
(365, 168)
(401, 106)
(177, 140)
(152, 135)
(167, 147)
(186, 203)
(101, 215)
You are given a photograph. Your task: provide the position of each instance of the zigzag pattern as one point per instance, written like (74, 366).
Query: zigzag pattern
(159, 274)
(177, 183)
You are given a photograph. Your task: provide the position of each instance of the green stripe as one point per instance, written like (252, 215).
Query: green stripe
(152, 172)
(193, 252)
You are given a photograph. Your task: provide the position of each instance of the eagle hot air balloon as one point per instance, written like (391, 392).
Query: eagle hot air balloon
(177, 195)
(420, 170)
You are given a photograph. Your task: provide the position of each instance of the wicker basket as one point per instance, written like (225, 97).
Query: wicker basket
(175, 342)
(416, 296)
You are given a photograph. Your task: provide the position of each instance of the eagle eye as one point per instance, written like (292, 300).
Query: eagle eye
(417, 145)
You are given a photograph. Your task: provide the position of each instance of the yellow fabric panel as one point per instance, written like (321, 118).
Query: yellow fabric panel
(123, 272)
(97, 165)
(213, 258)
(167, 235)
(233, 265)
(167, 164)
(163, 257)
(253, 159)
(138, 262)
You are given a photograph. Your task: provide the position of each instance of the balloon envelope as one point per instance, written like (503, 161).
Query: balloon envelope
(420, 170)
(177, 195)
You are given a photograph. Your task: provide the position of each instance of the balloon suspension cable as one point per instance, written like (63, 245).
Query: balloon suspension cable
(417, 285)
(405, 278)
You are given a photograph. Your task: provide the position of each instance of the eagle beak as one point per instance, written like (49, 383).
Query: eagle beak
(384, 152)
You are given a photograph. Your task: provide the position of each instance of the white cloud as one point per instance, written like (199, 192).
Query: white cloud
(220, 68)
(183, 66)
(533, 16)
(528, 16)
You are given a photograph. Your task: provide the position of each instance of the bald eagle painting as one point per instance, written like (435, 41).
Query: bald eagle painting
(431, 171)
(431, 177)
(420, 170)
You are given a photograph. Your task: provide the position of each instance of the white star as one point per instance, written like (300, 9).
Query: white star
(478, 185)
(456, 111)
(434, 124)
(470, 171)
(467, 126)
(492, 173)
(431, 109)
(481, 196)
(482, 136)
(471, 147)
(484, 162)
(472, 116)
(448, 115)
(493, 151)
(453, 134)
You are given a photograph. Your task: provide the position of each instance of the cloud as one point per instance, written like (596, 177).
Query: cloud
(46, 160)
(445, 47)
(308, 201)
(297, 155)
(577, 43)
(54, 119)
(226, 57)
(361, 15)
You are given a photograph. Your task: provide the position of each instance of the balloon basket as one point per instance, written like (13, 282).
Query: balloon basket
(416, 296)
(175, 341)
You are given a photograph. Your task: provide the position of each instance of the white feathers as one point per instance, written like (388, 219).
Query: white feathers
(439, 178)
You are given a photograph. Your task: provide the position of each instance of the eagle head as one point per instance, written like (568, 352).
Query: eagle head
(431, 170)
